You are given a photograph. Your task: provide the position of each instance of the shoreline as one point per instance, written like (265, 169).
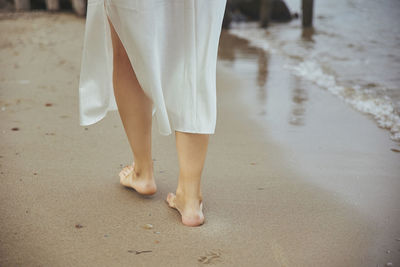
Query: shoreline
(302, 56)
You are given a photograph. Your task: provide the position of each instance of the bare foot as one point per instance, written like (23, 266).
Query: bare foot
(142, 185)
(192, 215)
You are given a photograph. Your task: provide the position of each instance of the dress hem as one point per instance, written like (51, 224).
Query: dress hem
(98, 119)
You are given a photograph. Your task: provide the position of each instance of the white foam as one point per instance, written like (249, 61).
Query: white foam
(380, 107)
(362, 99)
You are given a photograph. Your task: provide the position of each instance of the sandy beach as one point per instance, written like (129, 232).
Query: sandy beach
(293, 176)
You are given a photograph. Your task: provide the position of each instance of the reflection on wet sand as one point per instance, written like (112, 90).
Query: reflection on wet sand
(289, 221)
(262, 80)
(336, 149)
(307, 34)
(235, 48)
(299, 97)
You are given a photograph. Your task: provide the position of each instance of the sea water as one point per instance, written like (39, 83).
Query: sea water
(353, 51)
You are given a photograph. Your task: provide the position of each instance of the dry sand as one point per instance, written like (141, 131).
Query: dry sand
(292, 178)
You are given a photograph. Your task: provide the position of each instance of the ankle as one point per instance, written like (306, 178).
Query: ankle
(143, 170)
(188, 196)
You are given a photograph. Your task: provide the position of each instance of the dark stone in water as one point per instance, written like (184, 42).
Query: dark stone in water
(237, 10)
(280, 11)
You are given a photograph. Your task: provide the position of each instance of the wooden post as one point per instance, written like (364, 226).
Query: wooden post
(52, 5)
(22, 5)
(307, 10)
(79, 7)
(265, 13)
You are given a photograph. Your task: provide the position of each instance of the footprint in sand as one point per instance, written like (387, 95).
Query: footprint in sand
(210, 257)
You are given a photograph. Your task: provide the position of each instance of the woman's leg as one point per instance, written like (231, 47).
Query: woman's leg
(135, 110)
(192, 150)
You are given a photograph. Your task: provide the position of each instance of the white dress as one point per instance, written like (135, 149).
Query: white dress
(172, 46)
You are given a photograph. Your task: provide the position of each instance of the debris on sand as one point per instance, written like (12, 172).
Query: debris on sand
(139, 252)
(148, 226)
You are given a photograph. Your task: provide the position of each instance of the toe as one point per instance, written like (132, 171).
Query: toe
(126, 170)
(171, 200)
(124, 173)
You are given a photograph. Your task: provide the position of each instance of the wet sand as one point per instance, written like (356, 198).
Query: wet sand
(293, 177)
